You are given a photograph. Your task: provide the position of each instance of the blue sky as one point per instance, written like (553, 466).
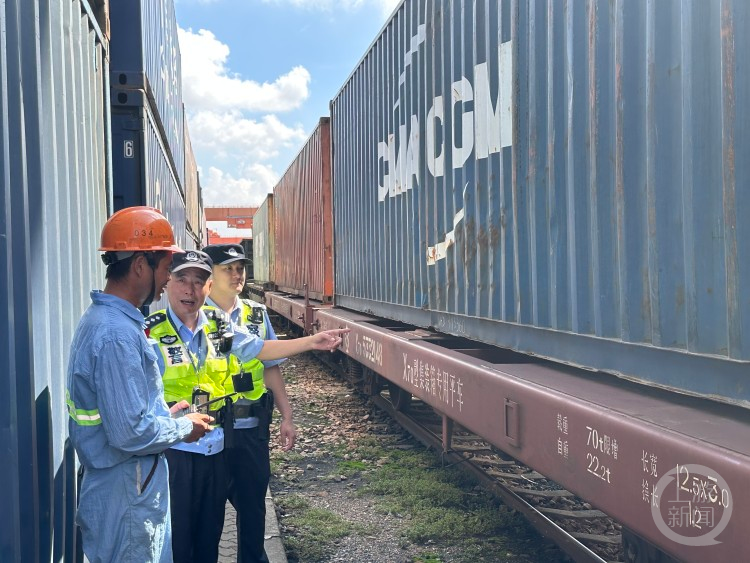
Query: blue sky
(257, 76)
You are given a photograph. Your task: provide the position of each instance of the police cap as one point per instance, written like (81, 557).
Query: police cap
(192, 259)
(225, 253)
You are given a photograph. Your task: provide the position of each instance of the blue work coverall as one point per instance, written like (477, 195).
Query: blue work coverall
(120, 425)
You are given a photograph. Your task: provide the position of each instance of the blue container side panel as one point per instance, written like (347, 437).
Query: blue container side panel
(738, 177)
(54, 170)
(192, 187)
(562, 178)
(145, 45)
(143, 174)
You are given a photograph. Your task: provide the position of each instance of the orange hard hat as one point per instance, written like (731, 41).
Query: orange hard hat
(142, 229)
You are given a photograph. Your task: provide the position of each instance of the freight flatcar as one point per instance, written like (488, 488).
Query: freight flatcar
(64, 132)
(537, 230)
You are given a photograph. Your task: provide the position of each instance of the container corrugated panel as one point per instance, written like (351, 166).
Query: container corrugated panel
(142, 174)
(247, 250)
(567, 179)
(192, 188)
(145, 54)
(193, 241)
(304, 229)
(55, 178)
(263, 241)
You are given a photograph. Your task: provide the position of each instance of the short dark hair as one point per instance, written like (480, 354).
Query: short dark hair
(119, 270)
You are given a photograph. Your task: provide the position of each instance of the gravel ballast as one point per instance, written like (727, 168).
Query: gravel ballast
(357, 488)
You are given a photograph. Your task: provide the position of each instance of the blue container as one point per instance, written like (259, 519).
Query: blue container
(193, 192)
(566, 179)
(55, 188)
(145, 55)
(142, 172)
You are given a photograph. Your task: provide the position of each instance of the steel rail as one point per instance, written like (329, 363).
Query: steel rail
(548, 528)
(541, 523)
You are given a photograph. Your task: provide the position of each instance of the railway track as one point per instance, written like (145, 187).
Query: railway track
(583, 533)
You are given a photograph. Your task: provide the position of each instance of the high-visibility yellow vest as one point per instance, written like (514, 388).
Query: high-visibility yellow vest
(252, 318)
(182, 372)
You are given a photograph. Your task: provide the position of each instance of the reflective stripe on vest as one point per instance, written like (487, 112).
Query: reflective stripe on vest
(252, 318)
(180, 376)
(82, 417)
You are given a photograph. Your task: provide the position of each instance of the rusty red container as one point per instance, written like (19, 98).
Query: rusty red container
(304, 220)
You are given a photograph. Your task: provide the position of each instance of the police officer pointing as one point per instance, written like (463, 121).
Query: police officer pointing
(190, 344)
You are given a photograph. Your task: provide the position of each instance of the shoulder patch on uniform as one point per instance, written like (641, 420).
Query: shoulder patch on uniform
(214, 314)
(253, 304)
(155, 319)
(168, 339)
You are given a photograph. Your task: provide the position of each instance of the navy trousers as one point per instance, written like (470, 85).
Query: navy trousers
(249, 470)
(198, 493)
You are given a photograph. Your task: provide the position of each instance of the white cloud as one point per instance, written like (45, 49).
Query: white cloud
(386, 6)
(234, 148)
(324, 5)
(221, 188)
(208, 83)
(230, 135)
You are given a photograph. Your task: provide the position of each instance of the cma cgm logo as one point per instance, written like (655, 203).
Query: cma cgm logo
(486, 125)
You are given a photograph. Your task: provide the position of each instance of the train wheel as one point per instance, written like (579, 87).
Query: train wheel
(400, 398)
(638, 550)
(372, 383)
(354, 372)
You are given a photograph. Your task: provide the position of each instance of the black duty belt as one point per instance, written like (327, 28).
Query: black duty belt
(255, 408)
(244, 411)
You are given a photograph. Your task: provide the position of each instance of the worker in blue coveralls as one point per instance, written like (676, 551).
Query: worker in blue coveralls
(248, 462)
(119, 422)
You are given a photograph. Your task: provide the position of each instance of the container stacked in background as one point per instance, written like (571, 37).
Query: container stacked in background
(55, 192)
(264, 244)
(151, 149)
(247, 250)
(195, 221)
(560, 178)
(303, 239)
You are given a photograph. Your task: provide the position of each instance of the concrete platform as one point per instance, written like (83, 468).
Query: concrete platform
(273, 544)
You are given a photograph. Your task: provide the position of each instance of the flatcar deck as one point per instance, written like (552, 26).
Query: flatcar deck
(671, 468)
